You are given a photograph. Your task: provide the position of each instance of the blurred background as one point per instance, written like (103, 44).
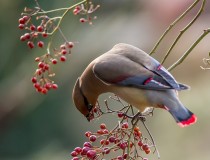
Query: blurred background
(42, 127)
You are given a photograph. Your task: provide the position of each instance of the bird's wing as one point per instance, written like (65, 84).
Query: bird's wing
(120, 70)
(138, 56)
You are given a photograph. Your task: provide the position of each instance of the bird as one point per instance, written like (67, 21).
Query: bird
(135, 77)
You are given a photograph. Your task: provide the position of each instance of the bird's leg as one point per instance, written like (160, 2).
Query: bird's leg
(138, 116)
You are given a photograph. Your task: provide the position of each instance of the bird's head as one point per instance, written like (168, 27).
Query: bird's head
(81, 101)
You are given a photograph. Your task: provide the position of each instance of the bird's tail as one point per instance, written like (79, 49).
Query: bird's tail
(182, 115)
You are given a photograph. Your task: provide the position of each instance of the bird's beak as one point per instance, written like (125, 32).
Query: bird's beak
(89, 116)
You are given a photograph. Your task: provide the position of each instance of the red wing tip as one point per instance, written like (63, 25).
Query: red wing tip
(188, 122)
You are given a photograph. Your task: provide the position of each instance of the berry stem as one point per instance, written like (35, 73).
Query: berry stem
(54, 10)
(130, 135)
(153, 141)
(64, 14)
(184, 56)
(184, 30)
(172, 25)
(59, 29)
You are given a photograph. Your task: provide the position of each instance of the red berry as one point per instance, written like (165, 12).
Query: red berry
(40, 44)
(48, 86)
(103, 126)
(78, 149)
(34, 79)
(39, 71)
(70, 44)
(112, 139)
(40, 28)
(147, 151)
(63, 46)
(75, 11)
(85, 150)
(145, 147)
(27, 35)
(140, 143)
(78, 7)
(103, 141)
(120, 158)
(23, 38)
(63, 51)
(95, 110)
(46, 67)
(36, 85)
(136, 129)
(54, 86)
(21, 26)
(92, 138)
(63, 58)
(125, 156)
(82, 20)
(131, 144)
(125, 125)
(87, 144)
(54, 61)
(123, 145)
(44, 90)
(25, 18)
(37, 59)
(39, 89)
(32, 27)
(75, 158)
(41, 64)
(120, 114)
(100, 131)
(88, 133)
(91, 154)
(44, 34)
(105, 131)
(137, 134)
(30, 44)
(21, 21)
(74, 154)
(106, 150)
(107, 142)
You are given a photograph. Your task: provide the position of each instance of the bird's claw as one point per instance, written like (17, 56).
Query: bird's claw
(138, 116)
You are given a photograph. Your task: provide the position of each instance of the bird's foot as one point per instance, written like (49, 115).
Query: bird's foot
(138, 116)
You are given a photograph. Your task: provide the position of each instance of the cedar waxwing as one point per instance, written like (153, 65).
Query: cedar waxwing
(135, 77)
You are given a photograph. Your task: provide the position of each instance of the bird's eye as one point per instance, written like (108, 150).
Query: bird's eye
(87, 104)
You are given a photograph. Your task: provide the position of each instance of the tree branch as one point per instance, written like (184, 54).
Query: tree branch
(206, 32)
(172, 25)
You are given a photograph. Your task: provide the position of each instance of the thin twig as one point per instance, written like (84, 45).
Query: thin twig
(64, 14)
(52, 11)
(184, 30)
(172, 25)
(129, 137)
(179, 61)
(158, 154)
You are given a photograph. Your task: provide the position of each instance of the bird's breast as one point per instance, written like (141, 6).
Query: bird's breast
(134, 96)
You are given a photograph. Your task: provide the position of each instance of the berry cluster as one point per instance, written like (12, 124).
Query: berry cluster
(41, 80)
(125, 140)
(86, 9)
(38, 26)
(33, 32)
